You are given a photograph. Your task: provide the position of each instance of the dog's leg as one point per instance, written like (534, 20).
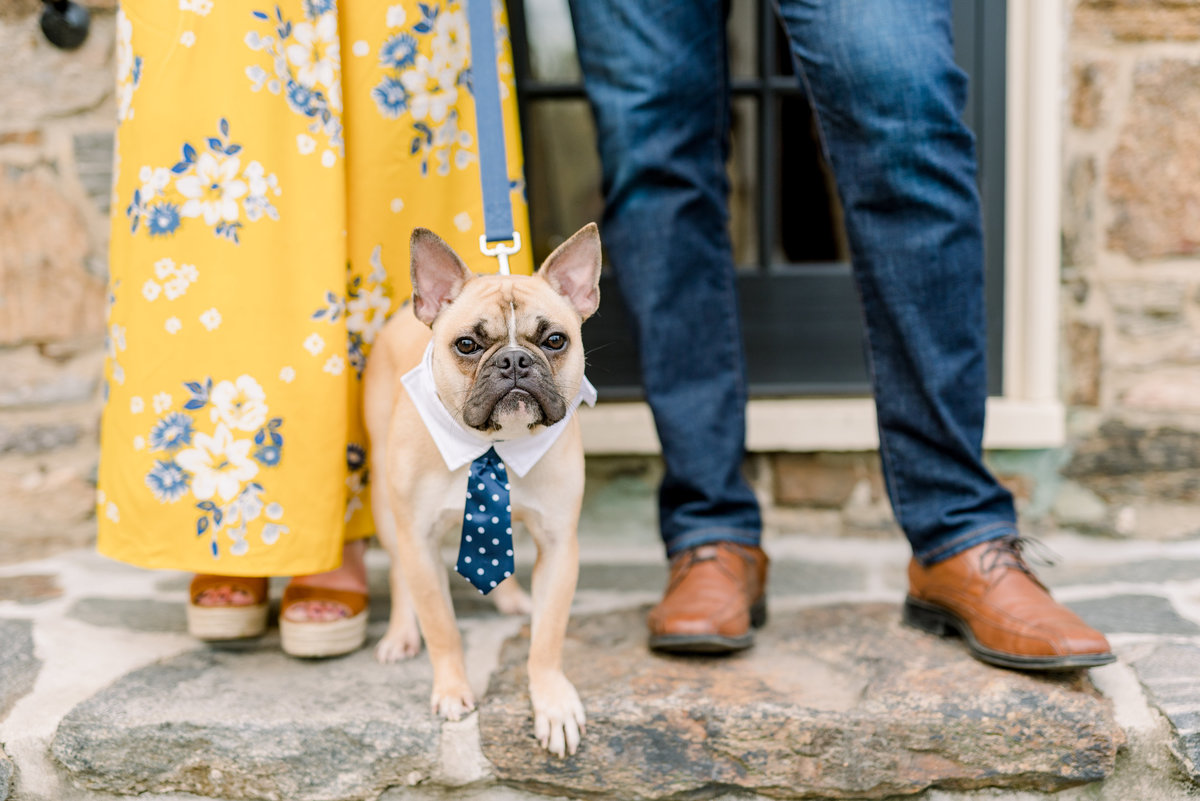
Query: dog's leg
(422, 567)
(558, 716)
(403, 637)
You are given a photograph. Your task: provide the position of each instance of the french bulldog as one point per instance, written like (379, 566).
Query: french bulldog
(504, 355)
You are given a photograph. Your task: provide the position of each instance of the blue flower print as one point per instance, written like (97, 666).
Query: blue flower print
(168, 481)
(268, 455)
(391, 97)
(400, 51)
(162, 218)
(315, 8)
(172, 432)
(300, 98)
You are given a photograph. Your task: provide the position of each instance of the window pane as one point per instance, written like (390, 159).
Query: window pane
(551, 41)
(808, 214)
(563, 170)
(743, 35)
(744, 184)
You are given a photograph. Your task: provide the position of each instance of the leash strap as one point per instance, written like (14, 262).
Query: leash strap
(489, 134)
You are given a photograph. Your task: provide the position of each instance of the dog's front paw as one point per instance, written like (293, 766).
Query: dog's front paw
(511, 599)
(400, 643)
(558, 717)
(452, 699)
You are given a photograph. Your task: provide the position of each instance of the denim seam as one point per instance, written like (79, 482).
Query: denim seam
(703, 536)
(932, 557)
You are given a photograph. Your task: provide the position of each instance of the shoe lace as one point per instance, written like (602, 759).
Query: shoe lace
(1017, 552)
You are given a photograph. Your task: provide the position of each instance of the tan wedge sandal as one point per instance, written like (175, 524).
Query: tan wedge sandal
(227, 621)
(311, 638)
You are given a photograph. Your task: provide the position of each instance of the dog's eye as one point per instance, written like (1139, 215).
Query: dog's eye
(555, 342)
(466, 346)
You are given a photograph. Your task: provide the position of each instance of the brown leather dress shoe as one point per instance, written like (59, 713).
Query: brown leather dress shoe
(715, 594)
(991, 598)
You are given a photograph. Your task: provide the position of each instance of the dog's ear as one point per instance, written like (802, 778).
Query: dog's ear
(438, 274)
(573, 270)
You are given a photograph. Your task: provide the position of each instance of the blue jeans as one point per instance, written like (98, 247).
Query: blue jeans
(888, 100)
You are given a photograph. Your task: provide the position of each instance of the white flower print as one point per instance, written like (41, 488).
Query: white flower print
(361, 48)
(129, 67)
(450, 37)
(139, 443)
(271, 532)
(201, 7)
(164, 269)
(287, 375)
(462, 221)
(188, 38)
(305, 144)
(188, 272)
(211, 319)
(150, 290)
(218, 464)
(117, 332)
(136, 405)
(175, 288)
(162, 402)
(213, 190)
(239, 405)
(316, 54)
(172, 325)
(328, 158)
(334, 365)
(432, 89)
(366, 313)
(397, 205)
(395, 16)
(314, 344)
(118, 374)
(112, 512)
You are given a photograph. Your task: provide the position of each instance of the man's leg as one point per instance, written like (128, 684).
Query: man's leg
(889, 99)
(657, 77)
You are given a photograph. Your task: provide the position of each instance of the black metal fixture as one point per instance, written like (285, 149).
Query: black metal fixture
(65, 23)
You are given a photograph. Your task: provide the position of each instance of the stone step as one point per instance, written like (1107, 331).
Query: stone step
(833, 702)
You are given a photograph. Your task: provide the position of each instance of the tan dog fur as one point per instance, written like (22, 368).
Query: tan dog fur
(416, 499)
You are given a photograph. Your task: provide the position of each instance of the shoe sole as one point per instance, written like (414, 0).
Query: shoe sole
(226, 622)
(711, 643)
(936, 620)
(332, 638)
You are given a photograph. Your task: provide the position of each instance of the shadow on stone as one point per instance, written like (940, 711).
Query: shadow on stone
(833, 702)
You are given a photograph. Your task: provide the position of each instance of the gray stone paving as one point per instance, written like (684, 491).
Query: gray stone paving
(147, 711)
(253, 723)
(18, 665)
(1171, 675)
(1134, 614)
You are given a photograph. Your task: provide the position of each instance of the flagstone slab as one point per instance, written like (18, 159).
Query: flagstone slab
(834, 702)
(6, 775)
(253, 723)
(1171, 675)
(19, 666)
(1133, 614)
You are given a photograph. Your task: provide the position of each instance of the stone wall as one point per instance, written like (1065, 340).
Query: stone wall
(1131, 267)
(1130, 299)
(57, 116)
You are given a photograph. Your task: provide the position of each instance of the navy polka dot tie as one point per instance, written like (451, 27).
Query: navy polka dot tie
(485, 554)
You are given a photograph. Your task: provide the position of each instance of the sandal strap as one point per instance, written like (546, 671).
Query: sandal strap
(255, 586)
(356, 602)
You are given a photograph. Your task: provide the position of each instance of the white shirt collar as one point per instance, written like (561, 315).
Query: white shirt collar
(460, 446)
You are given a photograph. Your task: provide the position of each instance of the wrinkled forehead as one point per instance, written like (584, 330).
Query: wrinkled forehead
(499, 304)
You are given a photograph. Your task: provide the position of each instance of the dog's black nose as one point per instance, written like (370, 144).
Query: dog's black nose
(515, 361)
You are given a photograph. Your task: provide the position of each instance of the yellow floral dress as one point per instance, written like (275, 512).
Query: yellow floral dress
(272, 161)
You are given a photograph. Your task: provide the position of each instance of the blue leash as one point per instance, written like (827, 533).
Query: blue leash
(489, 133)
